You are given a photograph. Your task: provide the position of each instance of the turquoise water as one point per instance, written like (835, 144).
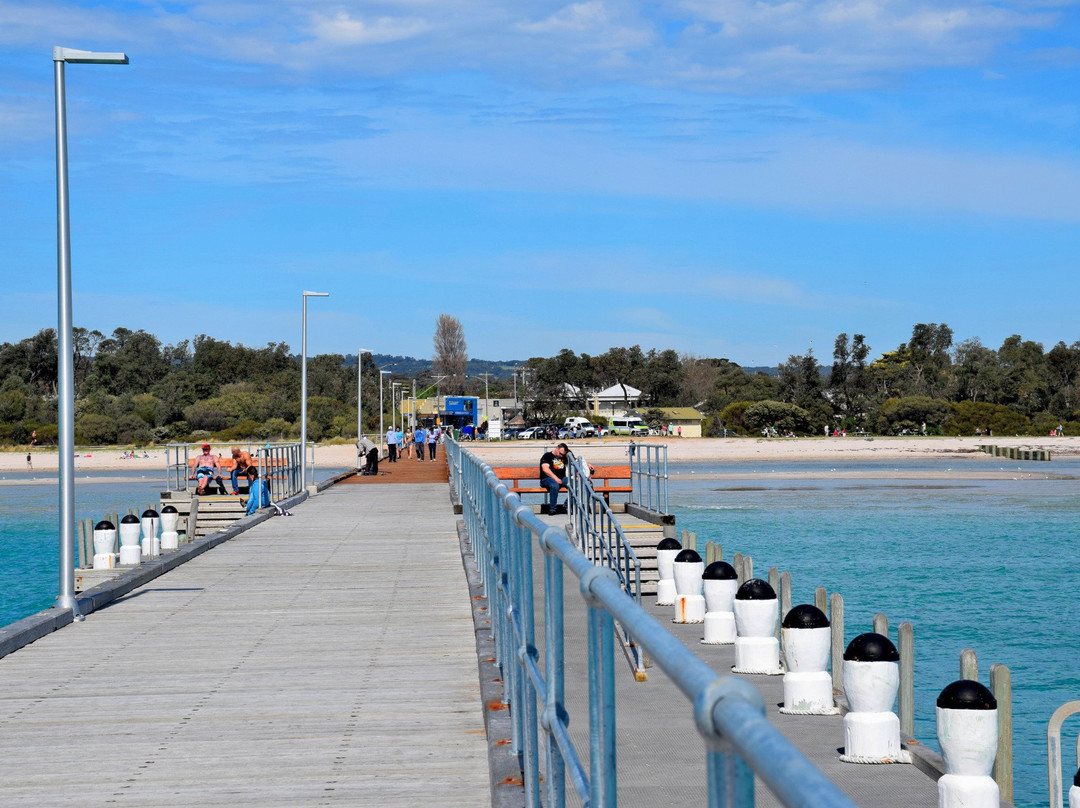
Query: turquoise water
(982, 564)
(29, 548)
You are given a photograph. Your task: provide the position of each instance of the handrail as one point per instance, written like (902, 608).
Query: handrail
(600, 536)
(649, 475)
(278, 463)
(729, 712)
(1053, 751)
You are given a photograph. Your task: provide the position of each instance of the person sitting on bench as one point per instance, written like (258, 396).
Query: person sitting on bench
(207, 469)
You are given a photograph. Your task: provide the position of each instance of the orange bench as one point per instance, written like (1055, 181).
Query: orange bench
(607, 480)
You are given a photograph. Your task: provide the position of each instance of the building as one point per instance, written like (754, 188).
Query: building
(689, 419)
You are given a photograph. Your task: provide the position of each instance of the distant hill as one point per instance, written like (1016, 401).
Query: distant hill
(411, 366)
(498, 368)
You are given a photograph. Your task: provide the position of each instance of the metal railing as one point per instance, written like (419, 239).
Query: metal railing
(600, 536)
(279, 464)
(648, 476)
(1054, 754)
(729, 713)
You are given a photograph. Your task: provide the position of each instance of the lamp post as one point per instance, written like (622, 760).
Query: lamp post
(382, 409)
(65, 599)
(360, 392)
(487, 432)
(394, 403)
(303, 378)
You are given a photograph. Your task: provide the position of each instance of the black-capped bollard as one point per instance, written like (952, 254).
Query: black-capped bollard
(170, 518)
(871, 681)
(689, 602)
(967, 733)
(756, 647)
(807, 642)
(151, 543)
(130, 552)
(666, 551)
(720, 582)
(105, 557)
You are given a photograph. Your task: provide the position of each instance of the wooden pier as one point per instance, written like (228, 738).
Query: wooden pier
(331, 658)
(326, 658)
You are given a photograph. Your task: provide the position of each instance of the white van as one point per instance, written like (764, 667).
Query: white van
(628, 426)
(577, 422)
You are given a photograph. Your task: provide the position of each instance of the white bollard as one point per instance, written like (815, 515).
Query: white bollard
(871, 681)
(170, 539)
(807, 642)
(967, 733)
(666, 551)
(720, 582)
(130, 552)
(151, 544)
(689, 602)
(1074, 791)
(105, 556)
(756, 647)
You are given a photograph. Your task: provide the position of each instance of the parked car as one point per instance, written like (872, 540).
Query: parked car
(587, 431)
(527, 434)
(547, 431)
(511, 433)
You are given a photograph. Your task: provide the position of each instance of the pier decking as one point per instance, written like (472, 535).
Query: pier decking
(330, 658)
(326, 658)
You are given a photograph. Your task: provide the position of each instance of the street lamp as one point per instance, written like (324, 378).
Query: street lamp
(303, 378)
(487, 431)
(394, 403)
(382, 409)
(360, 392)
(66, 342)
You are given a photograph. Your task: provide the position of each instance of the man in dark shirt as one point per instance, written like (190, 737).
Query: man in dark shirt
(552, 474)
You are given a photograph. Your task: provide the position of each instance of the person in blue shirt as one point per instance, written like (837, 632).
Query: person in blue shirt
(258, 491)
(420, 437)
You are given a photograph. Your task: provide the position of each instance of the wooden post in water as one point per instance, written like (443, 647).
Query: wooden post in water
(1001, 687)
(692, 538)
(81, 526)
(785, 594)
(905, 708)
(821, 598)
(748, 568)
(881, 624)
(836, 620)
(710, 553)
(685, 537)
(969, 665)
(736, 562)
(774, 582)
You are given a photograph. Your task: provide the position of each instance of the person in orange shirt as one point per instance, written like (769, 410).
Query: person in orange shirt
(241, 460)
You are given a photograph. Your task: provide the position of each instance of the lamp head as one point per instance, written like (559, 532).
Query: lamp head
(81, 57)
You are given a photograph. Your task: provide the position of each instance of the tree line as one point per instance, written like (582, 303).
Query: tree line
(130, 388)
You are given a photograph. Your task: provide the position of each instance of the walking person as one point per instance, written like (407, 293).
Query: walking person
(391, 445)
(407, 446)
(419, 439)
(432, 440)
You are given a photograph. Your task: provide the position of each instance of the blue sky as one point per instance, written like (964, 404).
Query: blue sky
(723, 177)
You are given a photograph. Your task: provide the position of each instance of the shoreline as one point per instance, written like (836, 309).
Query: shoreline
(614, 451)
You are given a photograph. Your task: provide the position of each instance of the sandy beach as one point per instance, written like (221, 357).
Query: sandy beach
(611, 451)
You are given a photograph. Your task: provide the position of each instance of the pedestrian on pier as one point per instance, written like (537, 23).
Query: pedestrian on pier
(391, 445)
(432, 439)
(420, 439)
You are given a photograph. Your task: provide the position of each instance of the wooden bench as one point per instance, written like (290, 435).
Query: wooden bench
(606, 480)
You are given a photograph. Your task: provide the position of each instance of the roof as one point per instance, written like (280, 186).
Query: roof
(681, 413)
(616, 392)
